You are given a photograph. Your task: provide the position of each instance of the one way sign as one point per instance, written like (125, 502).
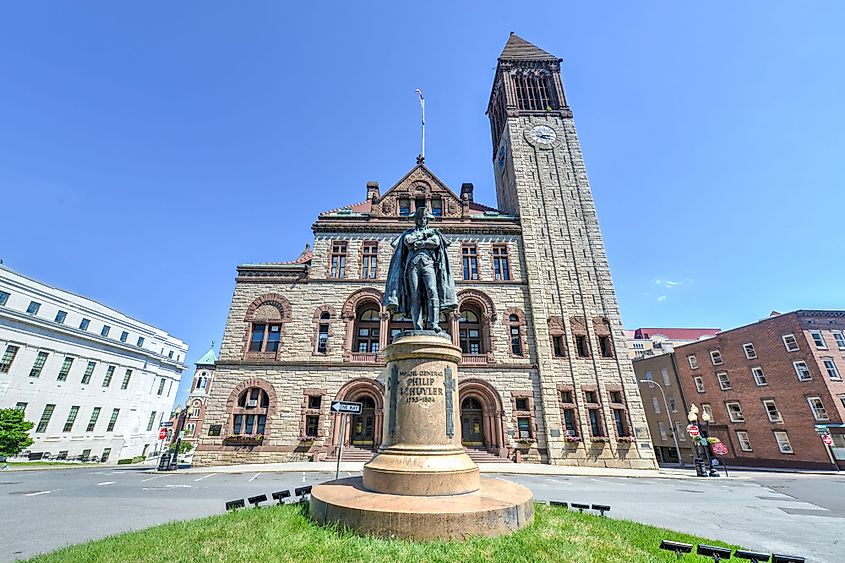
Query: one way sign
(347, 407)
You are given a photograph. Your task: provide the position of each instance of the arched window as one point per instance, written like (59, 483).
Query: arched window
(265, 317)
(323, 333)
(367, 329)
(469, 329)
(202, 382)
(251, 415)
(516, 338)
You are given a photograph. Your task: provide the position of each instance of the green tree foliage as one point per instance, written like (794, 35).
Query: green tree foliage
(14, 430)
(184, 447)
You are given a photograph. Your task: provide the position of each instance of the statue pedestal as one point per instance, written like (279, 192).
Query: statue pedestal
(421, 484)
(421, 454)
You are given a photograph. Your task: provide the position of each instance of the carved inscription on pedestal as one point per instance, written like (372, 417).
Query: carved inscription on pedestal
(419, 386)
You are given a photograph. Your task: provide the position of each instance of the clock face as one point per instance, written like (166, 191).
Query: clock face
(543, 134)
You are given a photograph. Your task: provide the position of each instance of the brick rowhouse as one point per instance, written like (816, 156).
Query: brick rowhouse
(768, 384)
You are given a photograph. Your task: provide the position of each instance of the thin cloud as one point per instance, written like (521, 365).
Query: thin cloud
(662, 298)
(669, 284)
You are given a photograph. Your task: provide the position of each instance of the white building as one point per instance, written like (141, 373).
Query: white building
(95, 382)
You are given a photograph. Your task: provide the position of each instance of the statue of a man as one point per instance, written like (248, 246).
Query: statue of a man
(419, 280)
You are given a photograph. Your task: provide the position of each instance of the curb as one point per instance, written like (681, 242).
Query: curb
(537, 471)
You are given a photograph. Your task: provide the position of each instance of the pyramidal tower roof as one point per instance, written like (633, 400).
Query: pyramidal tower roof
(208, 359)
(518, 49)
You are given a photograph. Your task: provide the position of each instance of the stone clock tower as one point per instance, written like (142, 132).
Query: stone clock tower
(580, 344)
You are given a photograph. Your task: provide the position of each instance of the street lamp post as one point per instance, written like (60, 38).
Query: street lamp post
(705, 419)
(669, 416)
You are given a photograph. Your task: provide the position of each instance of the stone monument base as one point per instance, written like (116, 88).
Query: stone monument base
(496, 508)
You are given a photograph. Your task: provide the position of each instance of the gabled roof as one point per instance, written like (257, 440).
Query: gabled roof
(208, 359)
(420, 171)
(518, 49)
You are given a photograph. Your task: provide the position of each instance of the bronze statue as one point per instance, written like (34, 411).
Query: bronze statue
(419, 280)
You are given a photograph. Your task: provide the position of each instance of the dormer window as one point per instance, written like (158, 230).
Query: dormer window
(404, 207)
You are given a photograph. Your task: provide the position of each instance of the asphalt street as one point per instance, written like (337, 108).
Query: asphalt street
(784, 513)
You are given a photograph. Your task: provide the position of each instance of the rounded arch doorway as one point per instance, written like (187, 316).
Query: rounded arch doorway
(363, 425)
(363, 430)
(481, 417)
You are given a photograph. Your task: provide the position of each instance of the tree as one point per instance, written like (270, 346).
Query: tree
(14, 430)
(184, 447)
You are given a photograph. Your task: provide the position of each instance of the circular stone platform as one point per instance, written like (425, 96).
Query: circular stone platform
(498, 507)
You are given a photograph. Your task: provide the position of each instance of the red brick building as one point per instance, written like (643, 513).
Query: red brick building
(200, 388)
(768, 384)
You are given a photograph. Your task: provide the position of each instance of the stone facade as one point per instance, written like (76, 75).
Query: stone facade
(537, 321)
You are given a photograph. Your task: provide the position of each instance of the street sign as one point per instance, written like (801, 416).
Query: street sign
(828, 441)
(719, 448)
(166, 424)
(693, 430)
(162, 434)
(347, 407)
(820, 428)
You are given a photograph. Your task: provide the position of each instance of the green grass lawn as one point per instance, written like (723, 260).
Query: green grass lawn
(284, 533)
(41, 464)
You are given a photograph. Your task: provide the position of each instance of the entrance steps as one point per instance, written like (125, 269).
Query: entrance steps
(480, 455)
(352, 453)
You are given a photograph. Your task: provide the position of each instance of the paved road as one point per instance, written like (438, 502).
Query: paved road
(797, 514)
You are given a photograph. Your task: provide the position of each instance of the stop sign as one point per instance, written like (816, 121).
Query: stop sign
(828, 441)
(693, 430)
(162, 434)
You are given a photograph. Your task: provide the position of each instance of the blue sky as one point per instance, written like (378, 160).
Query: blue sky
(147, 149)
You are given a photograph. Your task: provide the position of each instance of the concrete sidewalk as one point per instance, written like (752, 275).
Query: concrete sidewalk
(494, 468)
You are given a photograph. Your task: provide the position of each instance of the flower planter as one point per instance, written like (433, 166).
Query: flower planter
(599, 440)
(626, 439)
(243, 440)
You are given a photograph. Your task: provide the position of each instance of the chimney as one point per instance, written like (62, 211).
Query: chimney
(373, 191)
(466, 191)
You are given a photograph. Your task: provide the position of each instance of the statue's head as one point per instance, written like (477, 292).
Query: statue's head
(422, 216)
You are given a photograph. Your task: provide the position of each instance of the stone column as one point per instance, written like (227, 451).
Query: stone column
(421, 452)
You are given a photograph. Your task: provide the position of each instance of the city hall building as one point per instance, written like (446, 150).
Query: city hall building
(545, 376)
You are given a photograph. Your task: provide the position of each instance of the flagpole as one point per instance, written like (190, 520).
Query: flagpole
(422, 107)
